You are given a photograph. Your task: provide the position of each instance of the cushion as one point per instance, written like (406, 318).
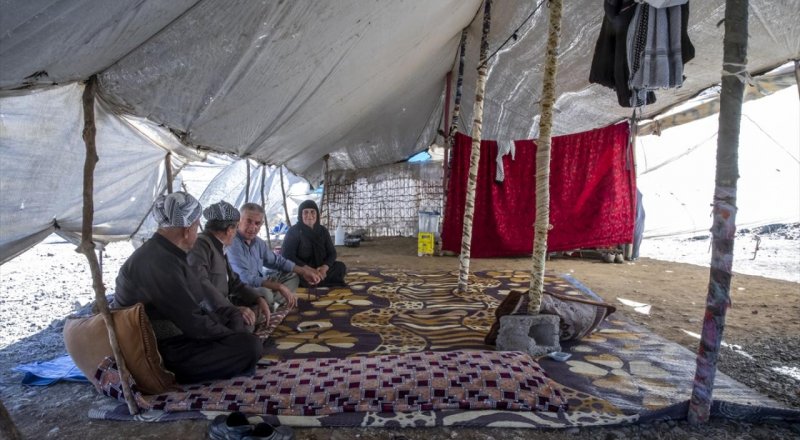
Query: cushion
(579, 316)
(87, 343)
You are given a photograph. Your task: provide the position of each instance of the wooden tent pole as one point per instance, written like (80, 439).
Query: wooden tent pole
(445, 130)
(543, 145)
(797, 75)
(87, 244)
(247, 183)
(285, 208)
(325, 194)
(264, 202)
(450, 136)
(723, 227)
(477, 125)
(168, 168)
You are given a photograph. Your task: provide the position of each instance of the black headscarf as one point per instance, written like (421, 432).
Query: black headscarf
(315, 235)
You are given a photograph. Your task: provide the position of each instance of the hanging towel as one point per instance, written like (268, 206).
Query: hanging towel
(503, 148)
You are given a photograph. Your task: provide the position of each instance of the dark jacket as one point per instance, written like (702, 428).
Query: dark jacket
(219, 280)
(158, 276)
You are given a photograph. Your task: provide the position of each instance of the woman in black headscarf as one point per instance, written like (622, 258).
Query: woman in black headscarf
(309, 244)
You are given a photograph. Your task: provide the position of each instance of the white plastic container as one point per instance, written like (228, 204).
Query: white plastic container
(338, 239)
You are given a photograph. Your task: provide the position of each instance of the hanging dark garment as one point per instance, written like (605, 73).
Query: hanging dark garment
(658, 46)
(610, 61)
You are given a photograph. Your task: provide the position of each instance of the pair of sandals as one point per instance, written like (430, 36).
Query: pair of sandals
(235, 426)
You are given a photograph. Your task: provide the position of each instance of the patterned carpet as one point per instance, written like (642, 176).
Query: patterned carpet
(405, 331)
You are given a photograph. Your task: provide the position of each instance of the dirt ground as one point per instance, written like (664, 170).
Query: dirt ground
(764, 320)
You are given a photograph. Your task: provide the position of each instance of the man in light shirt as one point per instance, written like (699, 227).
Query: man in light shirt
(259, 267)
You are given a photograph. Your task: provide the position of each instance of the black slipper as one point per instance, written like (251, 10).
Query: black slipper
(265, 431)
(234, 426)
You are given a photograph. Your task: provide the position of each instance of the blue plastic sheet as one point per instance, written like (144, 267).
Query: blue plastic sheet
(45, 373)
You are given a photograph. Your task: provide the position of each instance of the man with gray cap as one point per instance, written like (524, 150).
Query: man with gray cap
(208, 258)
(197, 340)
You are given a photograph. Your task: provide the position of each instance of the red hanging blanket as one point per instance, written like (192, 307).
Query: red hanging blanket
(592, 195)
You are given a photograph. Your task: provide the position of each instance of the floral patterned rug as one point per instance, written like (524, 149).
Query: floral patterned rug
(620, 374)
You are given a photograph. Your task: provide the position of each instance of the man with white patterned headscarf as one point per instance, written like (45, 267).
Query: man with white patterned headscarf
(197, 339)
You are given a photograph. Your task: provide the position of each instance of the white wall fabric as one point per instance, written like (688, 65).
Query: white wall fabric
(42, 157)
(676, 172)
(223, 178)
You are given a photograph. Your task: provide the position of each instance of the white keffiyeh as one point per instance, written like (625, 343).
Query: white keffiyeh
(176, 210)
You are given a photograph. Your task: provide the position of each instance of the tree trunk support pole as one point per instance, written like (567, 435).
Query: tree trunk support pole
(247, 183)
(543, 144)
(797, 75)
(168, 168)
(87, 244)
(723, 227)
(450, 136)
(264, 202)
(283, 193)
(477, 125)
(445, 131)
(325, 194)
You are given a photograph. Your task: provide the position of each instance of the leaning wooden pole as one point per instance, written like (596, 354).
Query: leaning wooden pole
(87, 244)
(247, 182)
(168, 169)
(325, 194)
(723, 226)
(543, 144)
(477, 125)
(285, 208)
(797, 75)
(451, 134)
(446, 132)
(264, 202)
(450, 137)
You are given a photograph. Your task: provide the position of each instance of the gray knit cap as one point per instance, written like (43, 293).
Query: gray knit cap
(176, 210)
(221, 211)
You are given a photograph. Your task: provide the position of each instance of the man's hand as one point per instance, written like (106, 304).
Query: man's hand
(264, 307)
(323, 271)
(311, 275)
(248, 316)
(291, 298)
